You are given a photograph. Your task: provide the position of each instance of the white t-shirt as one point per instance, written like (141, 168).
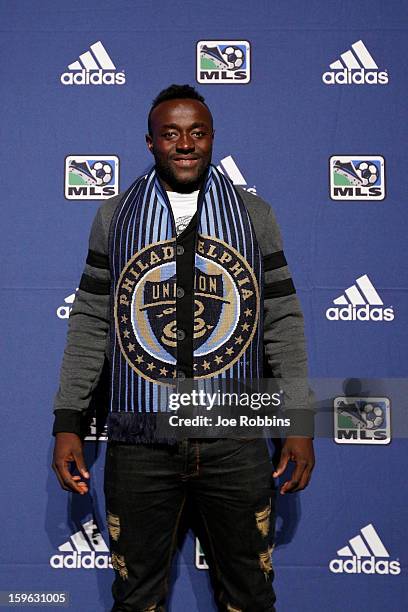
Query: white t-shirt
(184, 206)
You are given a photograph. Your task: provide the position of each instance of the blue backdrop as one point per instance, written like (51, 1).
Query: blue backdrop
(311, 119)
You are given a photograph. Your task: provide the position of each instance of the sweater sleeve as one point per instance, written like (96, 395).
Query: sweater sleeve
(87, 336)
(284, 338)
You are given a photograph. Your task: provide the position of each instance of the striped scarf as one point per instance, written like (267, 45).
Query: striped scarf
(227, 299)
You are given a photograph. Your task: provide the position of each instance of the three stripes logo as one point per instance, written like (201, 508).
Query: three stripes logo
(356, 67)
(94, 67)
(229, 168)
(85, 549)
(365, 554)
(360, 302)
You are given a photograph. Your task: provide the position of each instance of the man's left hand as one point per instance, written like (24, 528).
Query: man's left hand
(300, 451)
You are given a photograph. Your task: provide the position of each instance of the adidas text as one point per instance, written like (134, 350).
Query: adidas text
(355, 77)
(77, 560)
(367, 566)
(63, 312)
(95, 77)
(363, 313)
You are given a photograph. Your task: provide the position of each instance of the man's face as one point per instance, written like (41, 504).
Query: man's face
(181, 142)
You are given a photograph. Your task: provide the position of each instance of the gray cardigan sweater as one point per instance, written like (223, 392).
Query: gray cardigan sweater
(87, 345)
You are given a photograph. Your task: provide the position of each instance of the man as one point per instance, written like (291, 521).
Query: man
(185, 279)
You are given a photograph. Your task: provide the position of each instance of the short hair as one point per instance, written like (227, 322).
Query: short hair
(175, 92)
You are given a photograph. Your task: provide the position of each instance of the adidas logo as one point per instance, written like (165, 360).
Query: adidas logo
(200, 560)
(92, 433)
(93, 67)
(360, 302)
(228, 167)
(362, 556)
(63, 312)
(85, 549)
(356, 68)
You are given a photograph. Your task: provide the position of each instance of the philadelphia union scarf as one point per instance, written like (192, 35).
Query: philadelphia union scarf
(227, 300)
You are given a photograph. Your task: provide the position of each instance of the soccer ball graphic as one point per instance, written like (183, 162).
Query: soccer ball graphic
(372, 416)
(367, 173)
(234, 56)
(102, 172)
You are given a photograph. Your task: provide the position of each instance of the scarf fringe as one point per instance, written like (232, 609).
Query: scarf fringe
(136, 428)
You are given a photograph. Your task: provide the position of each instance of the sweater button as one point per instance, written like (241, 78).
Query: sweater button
(181, 334)
(180, 250)
(180, 292)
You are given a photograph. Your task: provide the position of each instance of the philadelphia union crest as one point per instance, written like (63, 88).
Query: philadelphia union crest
(226, 309)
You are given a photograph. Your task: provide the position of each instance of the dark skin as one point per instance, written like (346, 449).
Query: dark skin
(181, 143)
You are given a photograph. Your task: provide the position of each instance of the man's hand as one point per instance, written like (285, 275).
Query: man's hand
(68, 449)
(300, 451)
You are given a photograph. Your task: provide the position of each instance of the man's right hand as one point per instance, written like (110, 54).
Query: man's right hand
(69, 448)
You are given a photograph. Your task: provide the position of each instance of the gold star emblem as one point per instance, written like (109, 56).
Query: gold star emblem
(174, 373)
(218, 359)
(195, 366)
(123, 319)
(126, 333)
(131, 347)
(245, 326)
(248, 312)
(229, 351)
(239, 340)
(139, 359)
(163, 371)
(206, 365)
(151, 366)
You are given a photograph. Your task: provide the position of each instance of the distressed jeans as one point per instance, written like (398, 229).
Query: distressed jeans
(228, 483)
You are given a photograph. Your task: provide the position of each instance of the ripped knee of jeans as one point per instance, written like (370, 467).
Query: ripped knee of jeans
(231, 608)
(265, 560)
(113, 522)
(118, 562)
(262, 518)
